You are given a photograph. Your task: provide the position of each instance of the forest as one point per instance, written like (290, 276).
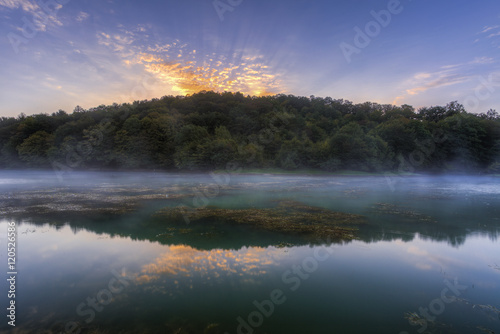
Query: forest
(211, 131)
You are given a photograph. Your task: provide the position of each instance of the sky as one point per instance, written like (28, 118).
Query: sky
(57, 54)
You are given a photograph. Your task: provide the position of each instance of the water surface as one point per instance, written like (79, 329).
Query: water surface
(426, 259)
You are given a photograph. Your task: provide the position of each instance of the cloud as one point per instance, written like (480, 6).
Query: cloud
(426, 81)
(185, 71)
(117, 42)
(41, 16)
(494, 35)
(447, 75)
(483, 60)
(486, 29)
(26, 5)
(188, 78)
(492, 32)
(82, 16)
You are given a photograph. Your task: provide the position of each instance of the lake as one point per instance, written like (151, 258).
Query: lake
(111, 252)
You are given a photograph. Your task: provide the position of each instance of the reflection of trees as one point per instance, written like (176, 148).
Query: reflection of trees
(453, 235)
(210, 235)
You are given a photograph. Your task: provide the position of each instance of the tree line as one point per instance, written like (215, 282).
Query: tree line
(209, 130)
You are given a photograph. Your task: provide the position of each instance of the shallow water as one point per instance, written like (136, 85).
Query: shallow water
(427, 258)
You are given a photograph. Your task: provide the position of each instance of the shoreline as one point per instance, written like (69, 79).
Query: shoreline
(258, 171)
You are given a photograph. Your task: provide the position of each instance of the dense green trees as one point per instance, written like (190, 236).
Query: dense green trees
(210, 130)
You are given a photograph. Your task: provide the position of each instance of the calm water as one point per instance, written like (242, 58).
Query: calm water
(427, 259)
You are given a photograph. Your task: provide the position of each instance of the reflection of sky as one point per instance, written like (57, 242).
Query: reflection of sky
(59, 268)
(473, 261)
(51, 249)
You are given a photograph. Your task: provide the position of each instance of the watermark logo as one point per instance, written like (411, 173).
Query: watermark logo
(436, 307)
(363, 37)
(223, 6)
(46, 11)
(292, 279)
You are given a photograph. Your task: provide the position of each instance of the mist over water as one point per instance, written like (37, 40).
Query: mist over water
(420, 234)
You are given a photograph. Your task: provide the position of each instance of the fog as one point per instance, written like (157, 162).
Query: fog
(447, 207)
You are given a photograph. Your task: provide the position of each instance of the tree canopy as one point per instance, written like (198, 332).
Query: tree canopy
(210, 130)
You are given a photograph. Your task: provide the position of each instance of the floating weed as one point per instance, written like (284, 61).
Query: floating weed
(484, 329)
(355, 193)
(491, 311)
(287, 217)
(211, 329)
(284, 245)
(414, 319)
(391, 209)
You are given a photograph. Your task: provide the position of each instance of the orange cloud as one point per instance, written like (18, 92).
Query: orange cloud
(186, 77)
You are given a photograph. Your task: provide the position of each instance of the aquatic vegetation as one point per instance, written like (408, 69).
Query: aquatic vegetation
(284, 245)
(414, 319)
(287, 217)
(86, 202)
(428, 326)
(484, 329)
(355, 193)
(491, 311)
(391, 209)
(212, 328)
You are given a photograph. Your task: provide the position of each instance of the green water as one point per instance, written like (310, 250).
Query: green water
(429, 246)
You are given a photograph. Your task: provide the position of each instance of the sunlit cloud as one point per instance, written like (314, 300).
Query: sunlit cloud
(422, 82)
(186, 71)
(447, 75)
(187, 78)
(426, 81)
(187, 75)
(116, 42)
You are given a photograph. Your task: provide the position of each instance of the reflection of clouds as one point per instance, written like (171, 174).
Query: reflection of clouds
(186, 262)
(423, 266)
(417, 251)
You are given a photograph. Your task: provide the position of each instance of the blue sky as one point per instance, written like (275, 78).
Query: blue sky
(56, 54)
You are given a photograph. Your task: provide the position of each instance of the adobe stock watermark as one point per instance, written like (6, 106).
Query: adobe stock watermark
(436, 307)
(46, 11)
(76, 154)
(488, 86)
(223, 6)
(292, 279)
(203, 194)
(91, 305)
(424, 150)
(141, 90)
(372, 29)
